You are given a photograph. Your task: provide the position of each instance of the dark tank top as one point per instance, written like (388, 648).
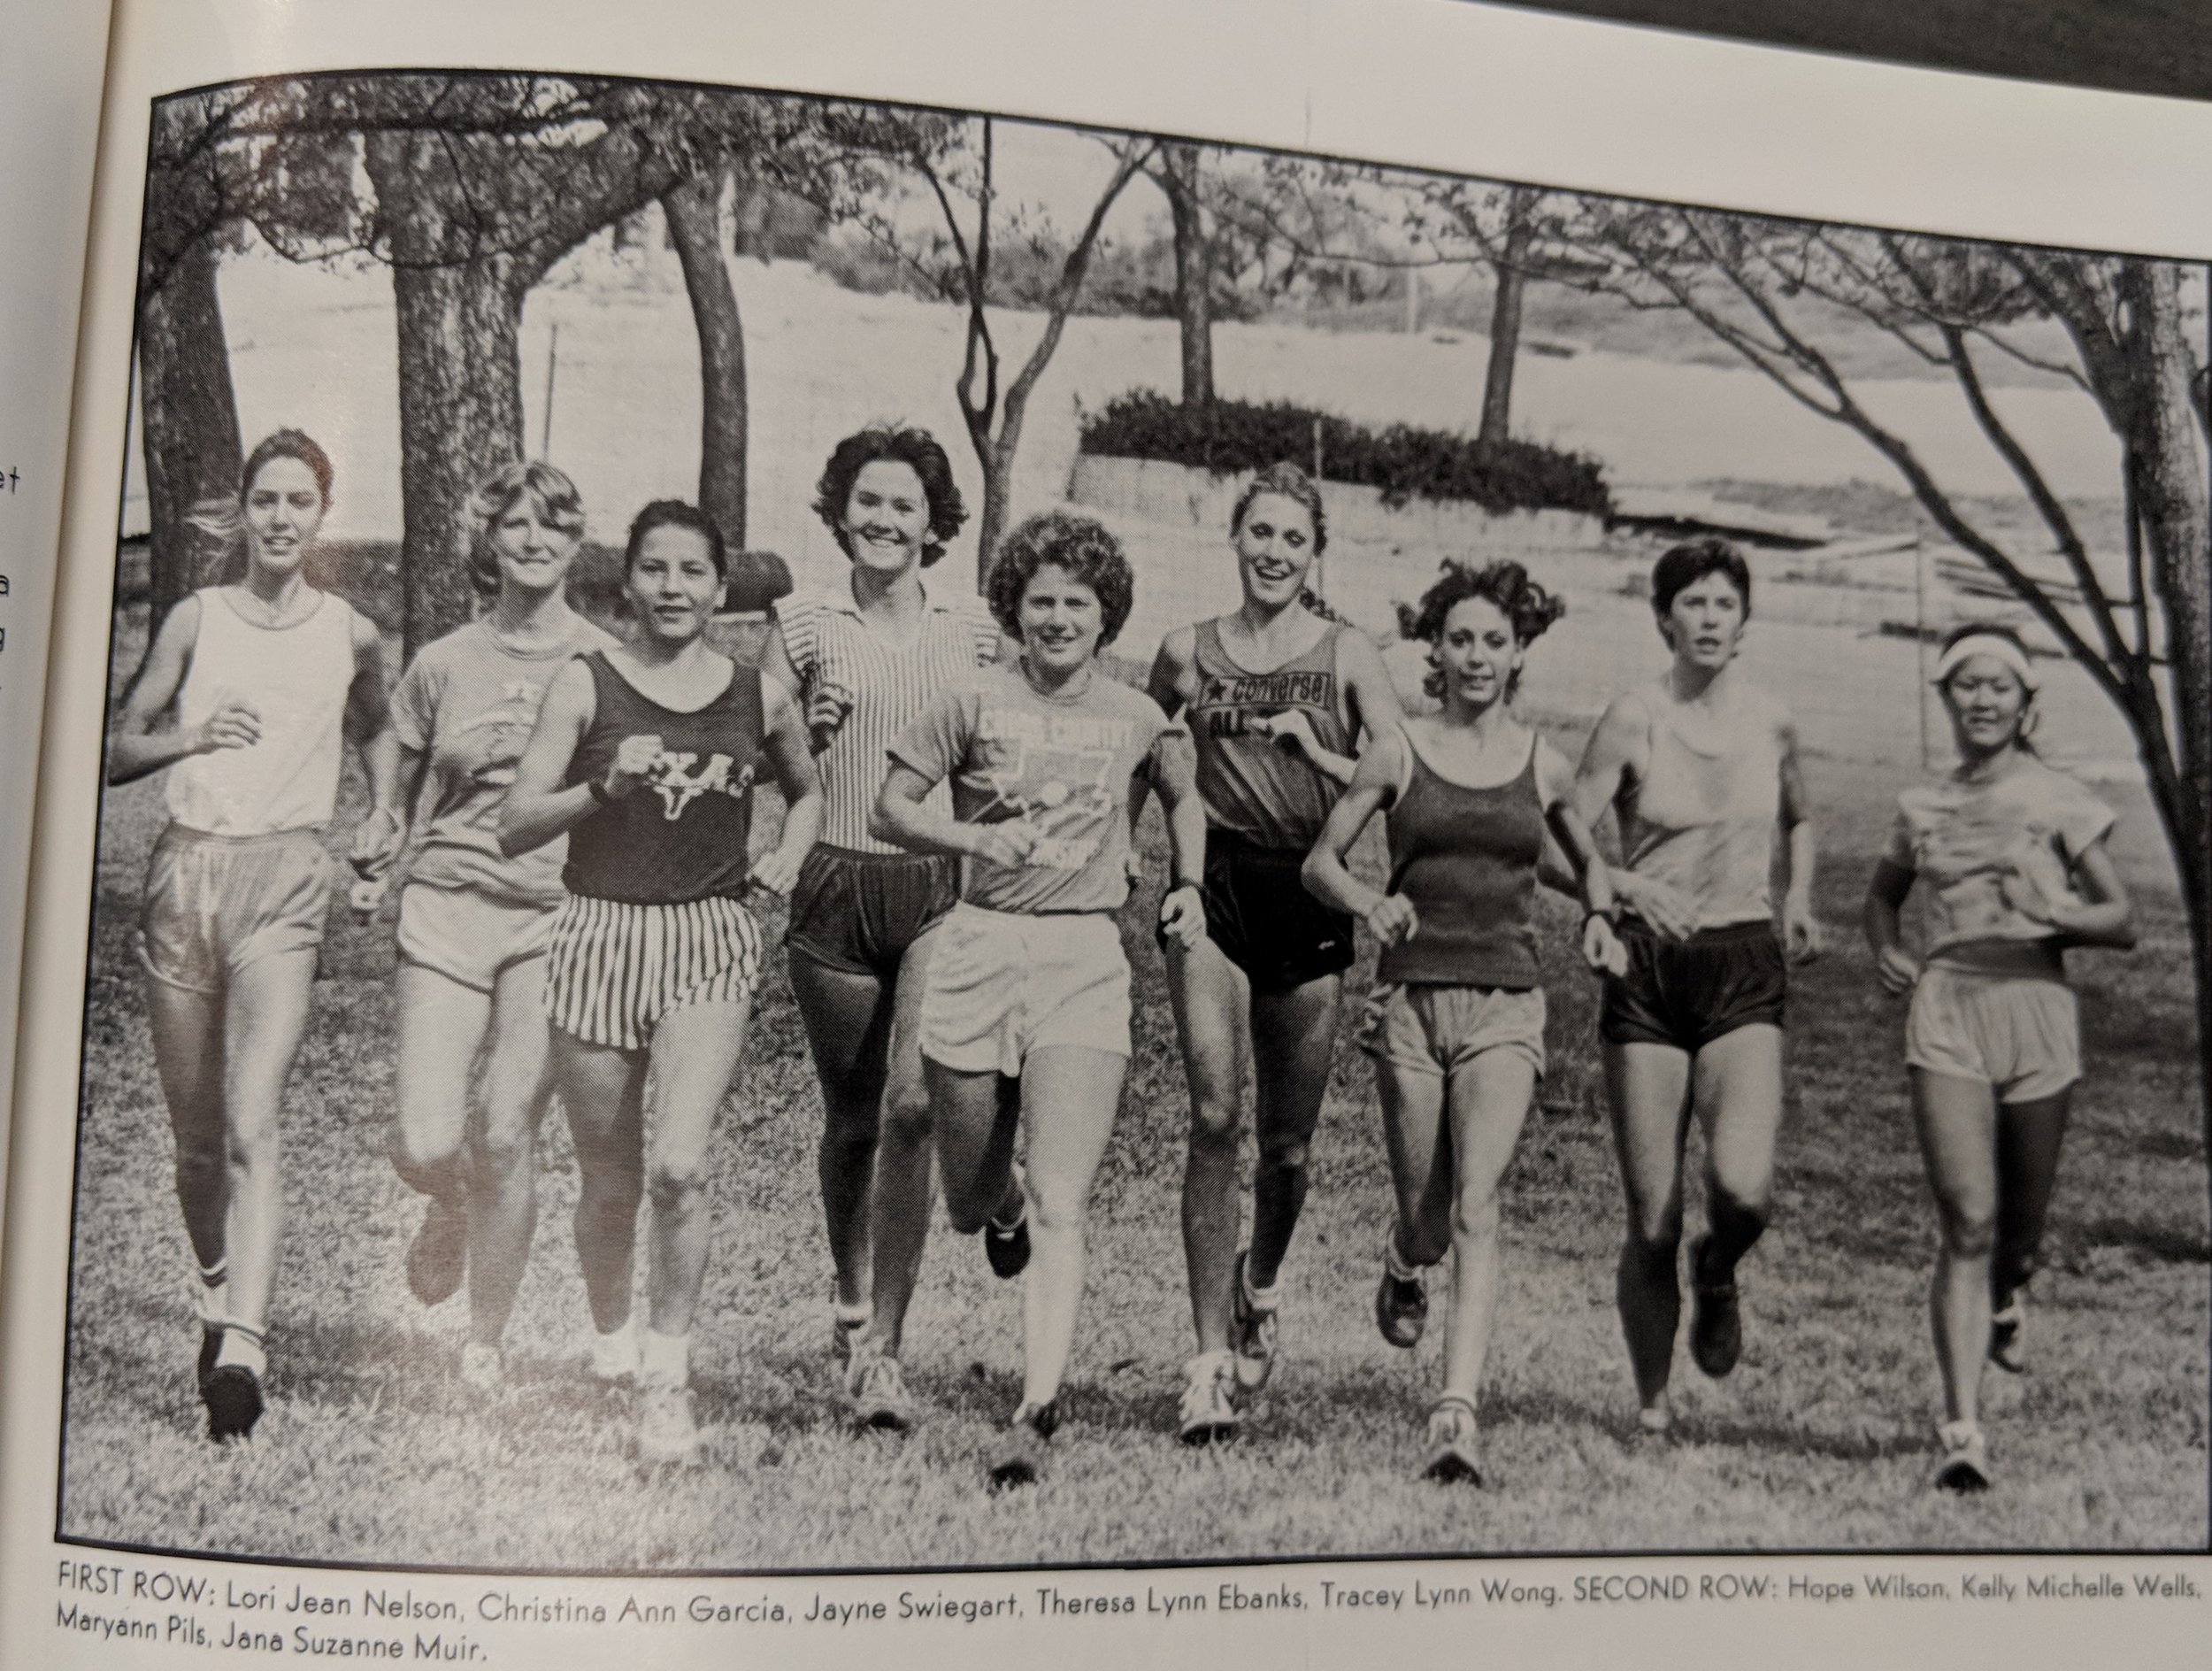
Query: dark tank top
(680, 835)
(1466, 859)
(1252, 784)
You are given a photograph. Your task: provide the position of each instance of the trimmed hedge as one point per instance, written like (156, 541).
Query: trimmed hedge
(1230, 437)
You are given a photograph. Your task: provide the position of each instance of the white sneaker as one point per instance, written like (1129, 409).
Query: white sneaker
(483, 1369)
(614, 1357)
(1208, 1413)
(667, 1432)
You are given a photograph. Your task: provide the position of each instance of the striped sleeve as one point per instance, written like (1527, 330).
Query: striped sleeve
(982, 628)
(800, 616)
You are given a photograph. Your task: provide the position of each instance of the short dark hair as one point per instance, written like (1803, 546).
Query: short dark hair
(1076, 544)
(1505, 585)
(917, 449)
(674, 513)
(288, 443)
(1684, 565)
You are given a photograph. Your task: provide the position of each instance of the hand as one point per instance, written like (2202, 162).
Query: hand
(376, 842)
(1292, 732)
(1803, 939)
(1183, 915)
(827, 706)
(366, 895)
(1671, 913)
(1391, 919)
(1602, 948)
(634, 758)
(1008, 844)
(775, 872)
(236, 724)
(1898, 971)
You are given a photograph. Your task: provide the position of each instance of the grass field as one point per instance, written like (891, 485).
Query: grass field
(373, 1452)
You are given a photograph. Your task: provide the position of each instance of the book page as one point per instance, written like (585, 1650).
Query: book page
(50, 117)
(600, 1083)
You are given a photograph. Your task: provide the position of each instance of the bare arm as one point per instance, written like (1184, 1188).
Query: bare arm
(792, 759)
(1880, 921)
(901, 819)
(2106, 917)
(1613, 758)
(1374, 786)
(537, 807)
(1175, 774)
(368, 726)
(140, 743)
(1802, 936)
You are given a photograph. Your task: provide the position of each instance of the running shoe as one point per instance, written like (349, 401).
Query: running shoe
(1006, 1246)
(1020, 1456)
(1208, 1410)
(2008, 1336)
(438, 1253)
(614, 1357)
(232, 1393)
(1964, 1465)
(1401, 1307)
(667, 1432)
(1454, 1443)
(1253, 1332)
(879, 1397)
(1715, 1319)
(483, 1369)
(1655, 1422)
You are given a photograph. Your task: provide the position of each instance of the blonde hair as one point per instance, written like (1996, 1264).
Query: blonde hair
(560, 506)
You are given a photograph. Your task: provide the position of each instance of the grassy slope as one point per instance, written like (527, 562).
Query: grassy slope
(373, 1452)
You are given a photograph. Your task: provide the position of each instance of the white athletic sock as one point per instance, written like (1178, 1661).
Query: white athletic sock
(615, 1353)
(1264, 1299)
(1400, 1269)
(243, 1347)
(210, 1301)
(663, 1359)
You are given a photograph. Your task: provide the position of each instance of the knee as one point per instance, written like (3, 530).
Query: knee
(1283, 1154)
(200, 1163)
(1654, 1234)
(1055, 1205)
(1475, 1217)
(500, 1150)
(414, 1151)
(1970, 1228)
(251, 1143)
(1738, 1201)
(1213, 1124)
(906, 1118)
(674, 1185)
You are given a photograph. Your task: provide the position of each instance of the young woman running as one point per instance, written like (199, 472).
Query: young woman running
(2012, 854)
(1027, 980)
(866, 657)
(1701, 769)
(646, 755)
(249, 696)
(1456, 1023)
(474, 923)
(1276, 693)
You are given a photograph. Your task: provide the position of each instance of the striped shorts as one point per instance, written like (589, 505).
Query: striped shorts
(614, 970)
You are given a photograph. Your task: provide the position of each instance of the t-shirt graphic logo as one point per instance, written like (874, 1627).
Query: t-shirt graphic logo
(677, 785)
(1061, 794)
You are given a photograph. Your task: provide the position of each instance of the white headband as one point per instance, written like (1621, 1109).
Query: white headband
(1994, 644)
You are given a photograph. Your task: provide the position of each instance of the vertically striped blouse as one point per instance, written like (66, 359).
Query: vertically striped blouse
(829, 644)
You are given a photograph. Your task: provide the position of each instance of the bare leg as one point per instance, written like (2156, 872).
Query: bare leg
(975, 1124)
(2027, 1138)
(602, 1091)
(1958, 1139)
(1489, 1100)
(694, 1055)
(905, 1181)
(264, 1015)
(188, 1028)
(1210, 997)
(1648, 1086)
(1070, 1096)
(848, 1023)
(1738, 1097)
(1418, 1141)
(518, 1085)
(442, 1028)
(1294, 1040)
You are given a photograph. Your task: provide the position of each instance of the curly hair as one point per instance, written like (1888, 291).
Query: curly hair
(1505, 586)
(560, 506)
(674, 513)
(1076, 544)
(1683, 566)
(917, 449)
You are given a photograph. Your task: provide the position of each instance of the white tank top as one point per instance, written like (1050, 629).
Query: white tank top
(1706, 822)
(297, 679)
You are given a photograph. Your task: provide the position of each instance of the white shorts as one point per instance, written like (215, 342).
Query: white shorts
(1436, 1030)
(1001, 985)
(469, 939)
(614, 970)
(2019, 1035)
(214, 903)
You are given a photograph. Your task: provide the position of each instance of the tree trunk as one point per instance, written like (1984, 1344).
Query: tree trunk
(460, 378)
(1505, 323)
(189, 419)
(695, 225)
(998, 469)
(2174, 502)
(1194, 274)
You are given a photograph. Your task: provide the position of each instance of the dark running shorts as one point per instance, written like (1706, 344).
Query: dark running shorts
(858, 913)
(1688, 993)
(1260, 914)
